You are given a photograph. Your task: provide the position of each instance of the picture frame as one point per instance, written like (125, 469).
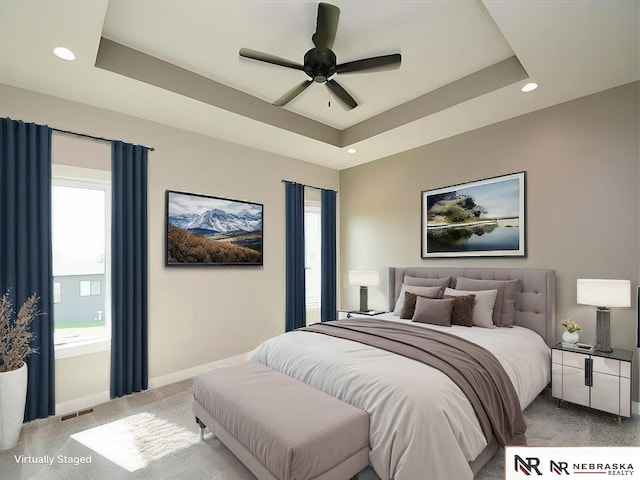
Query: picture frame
(482, 218)
(213, 231)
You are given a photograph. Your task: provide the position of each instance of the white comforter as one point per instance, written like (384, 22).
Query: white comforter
(422, 425)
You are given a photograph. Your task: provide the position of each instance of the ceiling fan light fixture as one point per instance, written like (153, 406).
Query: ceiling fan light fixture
(64, 53)
(529, 87)
(320, 62)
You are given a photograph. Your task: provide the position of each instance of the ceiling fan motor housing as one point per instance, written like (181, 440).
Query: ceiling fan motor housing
(320, 64)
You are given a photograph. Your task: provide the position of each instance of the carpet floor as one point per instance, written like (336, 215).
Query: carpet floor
(153, 435)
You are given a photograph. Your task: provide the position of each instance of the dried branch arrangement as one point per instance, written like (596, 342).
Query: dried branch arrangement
(15, 337)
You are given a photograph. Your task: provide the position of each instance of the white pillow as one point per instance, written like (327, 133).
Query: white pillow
(432, 292)
(482, 305)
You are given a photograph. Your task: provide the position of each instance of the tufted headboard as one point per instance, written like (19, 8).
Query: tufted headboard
(535, 303)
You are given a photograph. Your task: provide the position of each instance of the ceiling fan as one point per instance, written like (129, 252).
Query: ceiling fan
(320, 63)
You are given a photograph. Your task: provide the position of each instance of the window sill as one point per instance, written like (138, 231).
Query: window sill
(83, 347)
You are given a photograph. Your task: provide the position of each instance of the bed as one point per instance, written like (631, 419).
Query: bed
(420, 421)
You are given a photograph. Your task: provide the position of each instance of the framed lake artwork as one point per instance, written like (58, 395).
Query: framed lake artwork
(483, 218)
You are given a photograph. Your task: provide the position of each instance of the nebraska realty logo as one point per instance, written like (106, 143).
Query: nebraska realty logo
(596, 462)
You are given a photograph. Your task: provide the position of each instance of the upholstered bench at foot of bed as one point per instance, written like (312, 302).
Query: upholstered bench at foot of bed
(279, 427)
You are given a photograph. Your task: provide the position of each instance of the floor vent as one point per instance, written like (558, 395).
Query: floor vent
(76, 414)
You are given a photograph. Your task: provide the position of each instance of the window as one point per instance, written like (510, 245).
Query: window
(90, 287)
(80, 223)
(57, 292)
(312, 253)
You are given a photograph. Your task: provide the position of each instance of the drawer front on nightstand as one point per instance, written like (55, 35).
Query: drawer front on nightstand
(556, 380)
(605, 393)
(625, 369)
(573, 359)
(573, 386)
(606, 365)
(625, 397)
(556, 356)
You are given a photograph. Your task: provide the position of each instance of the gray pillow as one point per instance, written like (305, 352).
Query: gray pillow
(433, 292)
(482, 305)
(409, 306)
(504, 310)
(427, 282)
(433, 311)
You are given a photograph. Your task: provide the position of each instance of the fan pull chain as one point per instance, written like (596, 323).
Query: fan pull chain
(328, 100)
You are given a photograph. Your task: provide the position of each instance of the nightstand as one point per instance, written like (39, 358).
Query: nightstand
(596, 379)
(342, 314)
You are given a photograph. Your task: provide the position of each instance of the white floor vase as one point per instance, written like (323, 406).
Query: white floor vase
(13, 395)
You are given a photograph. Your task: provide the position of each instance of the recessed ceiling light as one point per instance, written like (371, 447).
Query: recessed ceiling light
(351, 150)
(529, 87)
(64, 53)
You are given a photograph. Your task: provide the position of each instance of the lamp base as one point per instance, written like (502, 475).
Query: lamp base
(603, 330)
(363, 299)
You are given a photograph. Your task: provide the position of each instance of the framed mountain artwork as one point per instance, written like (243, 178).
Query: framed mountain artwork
(207, 230)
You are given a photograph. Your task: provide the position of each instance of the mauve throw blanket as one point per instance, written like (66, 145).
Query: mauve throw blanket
(472, 368)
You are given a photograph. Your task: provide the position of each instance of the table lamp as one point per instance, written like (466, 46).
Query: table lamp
(364, 279)
(604, 294)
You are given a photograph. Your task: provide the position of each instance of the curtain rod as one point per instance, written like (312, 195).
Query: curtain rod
(310, 186)
(86, 135)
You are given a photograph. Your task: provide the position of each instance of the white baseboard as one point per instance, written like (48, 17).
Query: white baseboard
(194, 371)
(92, 400)
(82, 403)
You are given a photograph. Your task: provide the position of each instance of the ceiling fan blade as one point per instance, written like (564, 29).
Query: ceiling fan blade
(342, 94)
(326, 26)
(384, 62)
(293, 93)
(267, 58)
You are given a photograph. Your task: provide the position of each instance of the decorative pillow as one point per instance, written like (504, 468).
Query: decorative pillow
(433, 292)
(504, 311)
(434, 311)
(482, 305)
(427, 282)
(409, 306)
(462, 313)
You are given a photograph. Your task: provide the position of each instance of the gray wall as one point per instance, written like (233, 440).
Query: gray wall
(582, 214)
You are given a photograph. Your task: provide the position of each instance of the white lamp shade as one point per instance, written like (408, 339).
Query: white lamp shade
(604, 292)
(364, 278)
